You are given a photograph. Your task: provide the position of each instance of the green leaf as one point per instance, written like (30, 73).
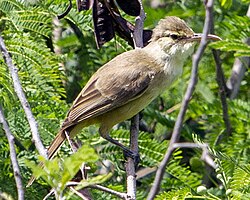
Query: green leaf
(57, 173)
(72, 164)
(180, 194)
(240, 48)
(226, 3)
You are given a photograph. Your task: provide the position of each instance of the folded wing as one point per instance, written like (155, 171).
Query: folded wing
(110, 87)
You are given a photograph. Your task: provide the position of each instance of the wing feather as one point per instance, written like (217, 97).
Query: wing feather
(110, 88)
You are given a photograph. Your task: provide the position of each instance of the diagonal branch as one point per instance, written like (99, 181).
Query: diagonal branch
(101, 188)
(13, 157)
(25, 104)
(191, 86)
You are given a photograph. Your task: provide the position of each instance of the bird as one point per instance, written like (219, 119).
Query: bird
(128, 83)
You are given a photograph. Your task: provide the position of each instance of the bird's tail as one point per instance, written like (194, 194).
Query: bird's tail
(56, 144)
(51, 151)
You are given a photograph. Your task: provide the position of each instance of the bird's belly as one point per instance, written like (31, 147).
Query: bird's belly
(128, 110)
(124, 112)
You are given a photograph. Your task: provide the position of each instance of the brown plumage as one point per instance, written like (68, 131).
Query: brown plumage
(129, 82)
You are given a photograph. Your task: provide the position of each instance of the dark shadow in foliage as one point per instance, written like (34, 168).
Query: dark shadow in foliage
(108, 20)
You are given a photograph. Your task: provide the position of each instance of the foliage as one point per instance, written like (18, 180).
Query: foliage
(57, 174)
(238, 27)
(53, 69)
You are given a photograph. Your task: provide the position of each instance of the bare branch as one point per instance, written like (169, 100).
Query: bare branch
(130, 165)
(138, 32)
(191, 86)
(105, 189)
(134, 129)
(13, 157)
(145, 172)
(205, 151)
(25, 104)
(51, 192)
(78, 193)
(222, 91)
(238, 71)
(102, 188)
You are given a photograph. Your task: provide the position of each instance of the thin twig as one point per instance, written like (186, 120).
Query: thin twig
(25, 104)
(223, 89)
(60, 16)
(191, 86)
(110, 191)
(51, 192)
(222, 92)
(78, 193)
(145, 172)
(99, 187)
(13, 157)
(205, 151)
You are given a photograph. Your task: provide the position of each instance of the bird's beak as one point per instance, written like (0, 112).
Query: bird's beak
(197, 37)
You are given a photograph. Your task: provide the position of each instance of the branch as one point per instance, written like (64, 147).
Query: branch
(222, 91)
(60, 16)
(130, 165)
(99, 187)
(138, 32)
(238, 71)
(134, 129)
(78, 193)
(51, 192)
(191, 86)
(205, 151)
(25, 104)
(13, 157)
(110, 191)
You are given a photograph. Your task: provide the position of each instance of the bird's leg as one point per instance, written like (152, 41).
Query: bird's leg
(127, 152)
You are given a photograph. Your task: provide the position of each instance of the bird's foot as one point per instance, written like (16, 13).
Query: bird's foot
(131, 154)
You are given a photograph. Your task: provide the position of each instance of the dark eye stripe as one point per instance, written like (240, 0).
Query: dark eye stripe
(174, 36)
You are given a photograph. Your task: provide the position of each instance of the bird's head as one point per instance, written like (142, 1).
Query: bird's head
(175, 37)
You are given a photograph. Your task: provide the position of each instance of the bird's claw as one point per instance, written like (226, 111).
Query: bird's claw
(134, 155)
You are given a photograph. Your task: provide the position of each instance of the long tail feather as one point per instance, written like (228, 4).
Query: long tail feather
(56, 144)
(53, 148)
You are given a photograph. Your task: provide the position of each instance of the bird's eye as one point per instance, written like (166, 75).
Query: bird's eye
(174, 36)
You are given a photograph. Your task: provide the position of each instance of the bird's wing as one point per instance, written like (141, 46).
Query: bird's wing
(109, 88)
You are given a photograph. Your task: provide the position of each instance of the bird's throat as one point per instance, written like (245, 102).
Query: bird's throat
(170, 59)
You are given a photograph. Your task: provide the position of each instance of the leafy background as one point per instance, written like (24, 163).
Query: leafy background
(55, 61)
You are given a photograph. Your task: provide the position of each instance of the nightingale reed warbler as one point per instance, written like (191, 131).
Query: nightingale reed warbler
(129, 82)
